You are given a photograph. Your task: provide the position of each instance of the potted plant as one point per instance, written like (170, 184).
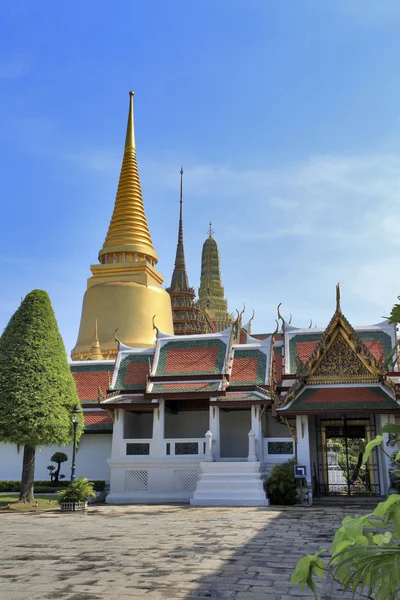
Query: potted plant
(76, 495)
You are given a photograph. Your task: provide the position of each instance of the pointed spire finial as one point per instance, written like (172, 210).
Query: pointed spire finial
(210, 230)
(130, 129)
(95, 350)
(338, 307)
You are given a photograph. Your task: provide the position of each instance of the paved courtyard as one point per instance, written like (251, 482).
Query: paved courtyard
(159, 552)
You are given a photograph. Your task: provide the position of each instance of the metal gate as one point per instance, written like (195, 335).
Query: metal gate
(340, 446)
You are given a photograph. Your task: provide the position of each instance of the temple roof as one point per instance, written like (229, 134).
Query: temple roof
(192, 355)
(131, 368)
(91, 375)
(251, 363)
(351, 398)
(98, 421)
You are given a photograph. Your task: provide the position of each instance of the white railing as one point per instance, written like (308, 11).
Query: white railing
(277, 450)
(185, 447)
(137, 447)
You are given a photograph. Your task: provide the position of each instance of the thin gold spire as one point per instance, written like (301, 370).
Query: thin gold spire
(128, 233)
(210, 230)
(95, 350)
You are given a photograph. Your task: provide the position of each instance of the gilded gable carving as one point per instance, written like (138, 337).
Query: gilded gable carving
(340, 362)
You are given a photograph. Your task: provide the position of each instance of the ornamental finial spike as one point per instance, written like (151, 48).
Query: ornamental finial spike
(338, 307)
(210, 230)
(130, 130)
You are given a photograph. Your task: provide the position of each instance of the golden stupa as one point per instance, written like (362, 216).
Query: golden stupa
(125, 290)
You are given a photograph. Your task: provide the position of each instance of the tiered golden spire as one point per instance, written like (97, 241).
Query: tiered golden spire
(95, 350)
(128, 233)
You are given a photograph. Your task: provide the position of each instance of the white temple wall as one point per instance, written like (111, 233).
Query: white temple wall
(91, 459)
(138, 425)
(272, 428)
(186, 424)
(234, 432)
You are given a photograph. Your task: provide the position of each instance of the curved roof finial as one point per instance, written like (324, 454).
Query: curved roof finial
(290, 318)
(338, 307)
(154, 325)
(277, 328)
(115, 337)
(280, 316)
(309, 327)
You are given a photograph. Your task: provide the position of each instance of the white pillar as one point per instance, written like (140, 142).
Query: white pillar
(303, 449)
(208, 455)
(158, 442)
(252, 447)
(214, 428)
(385, 462)
(117, 446)
(257, 429)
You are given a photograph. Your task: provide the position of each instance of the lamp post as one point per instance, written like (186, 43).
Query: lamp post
(75, 412)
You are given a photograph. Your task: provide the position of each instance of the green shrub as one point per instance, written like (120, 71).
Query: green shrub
(13, 486)
(47, 489)
(281, 484)
(79, 491)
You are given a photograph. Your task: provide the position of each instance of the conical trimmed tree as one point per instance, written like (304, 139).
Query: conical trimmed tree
(37, 390)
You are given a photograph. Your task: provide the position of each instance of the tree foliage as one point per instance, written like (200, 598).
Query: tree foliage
(365, 550)
(58, 458)
(37, 390)
(79, 491)
(281, 484)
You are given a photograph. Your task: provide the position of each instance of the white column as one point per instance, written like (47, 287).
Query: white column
(214, 428)
(117, 446)
(385, 462)
(208, 454)
(257, 429)
(252, 447)
(303, 449)
(158, 443)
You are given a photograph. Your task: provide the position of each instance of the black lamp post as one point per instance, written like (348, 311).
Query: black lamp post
(75, 412)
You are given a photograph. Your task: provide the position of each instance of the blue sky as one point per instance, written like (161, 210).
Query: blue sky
(284, 115)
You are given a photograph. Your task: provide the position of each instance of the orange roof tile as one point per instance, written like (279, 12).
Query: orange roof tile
(191, 360)
(244, 369)
(88, 383)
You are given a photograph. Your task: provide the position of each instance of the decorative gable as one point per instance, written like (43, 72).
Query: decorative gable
(339, 362)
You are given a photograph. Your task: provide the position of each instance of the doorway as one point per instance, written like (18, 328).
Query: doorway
(234, 425)
(340, 452)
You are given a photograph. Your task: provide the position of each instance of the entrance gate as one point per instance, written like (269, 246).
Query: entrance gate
(340, 471)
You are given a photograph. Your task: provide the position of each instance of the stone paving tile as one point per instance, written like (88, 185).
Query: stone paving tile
(162, 552)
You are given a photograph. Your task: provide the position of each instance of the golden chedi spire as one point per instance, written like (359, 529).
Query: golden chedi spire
(128, 230)
(125, 289)
(95, 350)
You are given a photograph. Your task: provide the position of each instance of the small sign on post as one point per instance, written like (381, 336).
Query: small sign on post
(300, 471)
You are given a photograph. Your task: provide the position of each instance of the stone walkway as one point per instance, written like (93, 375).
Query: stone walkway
(159, 552)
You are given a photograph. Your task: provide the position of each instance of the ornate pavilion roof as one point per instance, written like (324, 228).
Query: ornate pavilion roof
(339, 369)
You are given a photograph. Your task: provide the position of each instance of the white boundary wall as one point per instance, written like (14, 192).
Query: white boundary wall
(91, 459)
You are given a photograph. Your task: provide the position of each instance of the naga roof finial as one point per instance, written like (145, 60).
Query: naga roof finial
(290, 318)
(309, 327)
(277, 328)
(154, 325)
(280, 316)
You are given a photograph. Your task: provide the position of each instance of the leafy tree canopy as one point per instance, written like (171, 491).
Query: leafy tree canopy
(37, 390)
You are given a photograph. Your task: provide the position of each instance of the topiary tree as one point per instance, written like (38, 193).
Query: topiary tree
(37, 390)
(58, 458)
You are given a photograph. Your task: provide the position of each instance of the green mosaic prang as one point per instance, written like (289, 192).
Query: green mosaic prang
(387, 403)
(261, 367)
(89, 367)
(158, 388)
(123, 369)
(219, 363)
